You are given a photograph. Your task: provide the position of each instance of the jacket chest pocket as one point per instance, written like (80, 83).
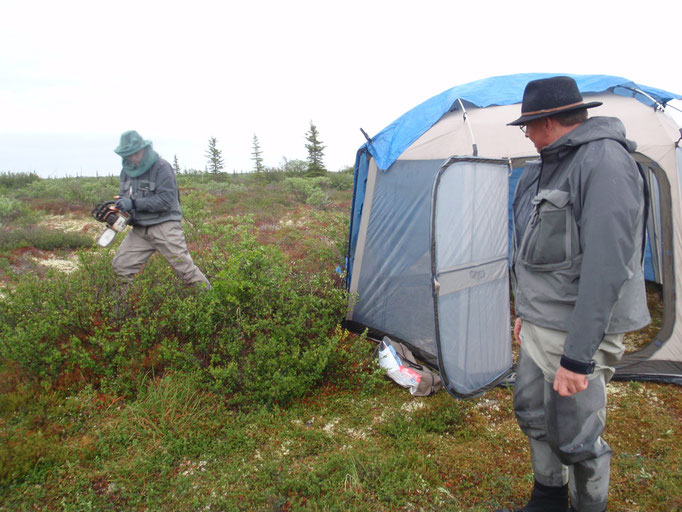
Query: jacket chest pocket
(145, 188)
(551, 235)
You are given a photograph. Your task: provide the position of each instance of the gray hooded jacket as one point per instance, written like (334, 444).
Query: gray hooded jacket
(155, 195)
(578, 235)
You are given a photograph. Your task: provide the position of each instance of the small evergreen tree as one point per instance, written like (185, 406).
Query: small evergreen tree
(176, 165)
(315, 152)
(256, 155)
(215, 157)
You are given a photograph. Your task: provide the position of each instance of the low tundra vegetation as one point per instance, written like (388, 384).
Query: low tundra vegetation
(248, 396)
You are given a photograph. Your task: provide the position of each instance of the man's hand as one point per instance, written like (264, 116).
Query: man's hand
(517, 329)
(568, 383)
(124, 204)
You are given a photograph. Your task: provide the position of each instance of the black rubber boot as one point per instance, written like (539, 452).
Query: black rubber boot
(545, 498)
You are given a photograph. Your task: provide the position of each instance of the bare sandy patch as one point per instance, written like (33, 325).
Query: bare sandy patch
(66, 265)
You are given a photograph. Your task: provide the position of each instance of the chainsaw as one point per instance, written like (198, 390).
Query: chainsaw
(115, 219)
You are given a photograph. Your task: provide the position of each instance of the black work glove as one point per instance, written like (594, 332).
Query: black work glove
(125, 204)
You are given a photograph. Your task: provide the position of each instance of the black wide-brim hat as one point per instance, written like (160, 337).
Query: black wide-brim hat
(550, 96)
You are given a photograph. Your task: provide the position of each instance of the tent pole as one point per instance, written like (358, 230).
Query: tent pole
(657, 104)
(466, 122)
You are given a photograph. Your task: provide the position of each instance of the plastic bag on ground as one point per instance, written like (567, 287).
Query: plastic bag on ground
(402, 368)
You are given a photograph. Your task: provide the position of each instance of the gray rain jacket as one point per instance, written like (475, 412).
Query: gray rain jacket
(579, 217)
(155, 193)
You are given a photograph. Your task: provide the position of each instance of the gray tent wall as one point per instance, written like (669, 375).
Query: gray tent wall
(392, 276)
(661, 360)
(389, 275)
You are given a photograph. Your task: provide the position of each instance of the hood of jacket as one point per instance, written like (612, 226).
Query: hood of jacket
(594, 128)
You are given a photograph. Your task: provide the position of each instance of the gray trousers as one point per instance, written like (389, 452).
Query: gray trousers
(565, 434)
(167, 238)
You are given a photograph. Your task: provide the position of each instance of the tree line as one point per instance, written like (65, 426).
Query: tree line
(314, 165)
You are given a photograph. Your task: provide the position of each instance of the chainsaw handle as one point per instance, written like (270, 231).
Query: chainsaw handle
(103, 210)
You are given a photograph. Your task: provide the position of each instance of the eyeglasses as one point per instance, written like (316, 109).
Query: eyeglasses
(524, 128)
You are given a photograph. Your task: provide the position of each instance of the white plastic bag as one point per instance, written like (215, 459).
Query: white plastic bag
(395, 369)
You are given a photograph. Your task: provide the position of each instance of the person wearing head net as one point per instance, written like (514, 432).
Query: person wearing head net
(149, 193)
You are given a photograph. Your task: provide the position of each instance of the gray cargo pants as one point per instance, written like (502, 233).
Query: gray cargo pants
(565, 432)
(167, 238)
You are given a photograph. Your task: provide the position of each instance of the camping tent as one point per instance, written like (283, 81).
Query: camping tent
(429, 227)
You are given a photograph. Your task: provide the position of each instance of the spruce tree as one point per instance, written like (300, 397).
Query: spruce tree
(215, 156)
(315, 152)
(256, 155)
(176, 165)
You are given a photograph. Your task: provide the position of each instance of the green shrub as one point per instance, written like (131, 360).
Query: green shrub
(16, 213)
(301, 188)
(318, 199)
(221, 188)
(85, 191)
(43, 238)
(266, 333)
(273, 175)
(11, 209)
(342, 180)
(10, 180)
(309, 190)
(332, 228)
(96, 190)
(295, 167)
(202, 179)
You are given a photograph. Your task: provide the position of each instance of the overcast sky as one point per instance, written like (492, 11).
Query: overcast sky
(75, 74)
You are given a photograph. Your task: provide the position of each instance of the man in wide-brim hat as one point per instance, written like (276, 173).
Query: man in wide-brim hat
(579, 220)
